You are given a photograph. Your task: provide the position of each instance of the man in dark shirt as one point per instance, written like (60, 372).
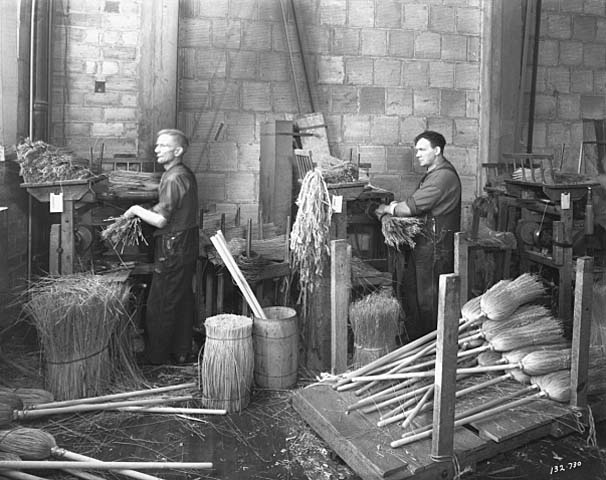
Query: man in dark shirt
(438, 201)
(170, 304)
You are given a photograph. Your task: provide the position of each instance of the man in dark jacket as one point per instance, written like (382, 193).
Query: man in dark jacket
(170, 304)
(437, 201)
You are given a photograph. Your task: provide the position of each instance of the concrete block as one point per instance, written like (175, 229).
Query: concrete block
(84, 129)
(372, 100)
(441, 19)
(559, 79)
(274, 66)
(242, 64)
(569, 107)
(211, 187)
(241, 187)
(121, 84)
(249, 210)
(226, 33)
(558, 133)
(399, 101)
(120, 114)
(572, 6)
(441, 75)
(410, 127)
(215, 9)
(359, 71)
(473, 49)
(195, 92)
(373, 42)
(468, 20)
(592, 106)
(346, 41)
(248, 156)
(444, 125)
(600, 34)
(121, 53)
(270, 10)
(539, 137)
(467, 75)
(130, 38)
(334, 125)
(100, 99)
(225, 95)
(599, 82)
(375, 155)
(384, 130)
(558, 26)
(243, 9)
(110, 67)
(472, 104)
(571, 53)
(361, 13)
(466, 131)
(256, 36)
(464, 159)
(594, 7)
(344, 99)
(427, 45)
(356, 128)
(240, 127)
(387, 72)
(121, 22)
(210, 63)
(593, 56)
(331, 69)
(388, 14)
(84, 51)
(548, 52)
(545, 107)
(194, 32)
(416, 17)
(222, 157)
(283, 98)
(584, 28)
(415, 74)
(317, 38)
(333, 12)
(107, 129)
(454, 47)
(401, 43)
(399, 158)
(426, 102)
(581, 81)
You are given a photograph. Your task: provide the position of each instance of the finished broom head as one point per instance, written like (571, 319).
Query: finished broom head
(9, 457)
(501, 300)
(11, 400)
(519, 376)
(516, 355)
(548, 331)
(547, 361)
(556, 385)
(471, 311)
(490, 357)
(524, 315)
(34, 396)
(28, 443)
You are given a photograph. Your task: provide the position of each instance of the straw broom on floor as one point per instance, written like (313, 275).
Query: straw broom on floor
(374, 322)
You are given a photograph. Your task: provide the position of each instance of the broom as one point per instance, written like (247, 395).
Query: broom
(502, 300)
(226, 371)
(524, 315)
(15, 473)
(374, 323)
(35, 444)
(29, 396)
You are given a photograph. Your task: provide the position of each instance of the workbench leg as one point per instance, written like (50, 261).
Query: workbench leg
(581, 332)
(67, 238)
(340, 285)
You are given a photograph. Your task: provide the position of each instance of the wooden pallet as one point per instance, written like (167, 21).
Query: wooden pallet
(364, 446)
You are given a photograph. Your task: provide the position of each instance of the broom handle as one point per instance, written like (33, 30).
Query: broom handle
(190, 411)
(431, 373)
(88, 407)
(388, 392)
(114, 396)
(399, 398)
(77, 457)
(121, 467)
(410, 417)
(393, 416)
(472, 418)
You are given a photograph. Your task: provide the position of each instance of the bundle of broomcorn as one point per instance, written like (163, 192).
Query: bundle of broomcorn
(124, 232)
(82, 324)
(374, 323)
(123, 181)
(401, 231)
(41, 162)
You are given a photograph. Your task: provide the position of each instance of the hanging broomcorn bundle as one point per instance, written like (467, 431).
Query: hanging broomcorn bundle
(76, 317)
(400, 232)
(310, 233)
(499, 302)
(226, 370)
(374, 322)
(124, 232)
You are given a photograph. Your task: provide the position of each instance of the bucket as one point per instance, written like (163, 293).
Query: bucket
(276, 346)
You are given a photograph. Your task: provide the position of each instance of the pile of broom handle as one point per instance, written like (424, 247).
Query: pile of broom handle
(220, 244)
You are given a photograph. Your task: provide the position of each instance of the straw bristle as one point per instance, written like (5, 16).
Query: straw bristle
(556, 385)
(549, 331)
(34, 396)
(489, 357)
(11, 400)
(28, 443)
(515, 356)
(9, 457)
(400, 232)
(522, 316)
(6, 414)
(471, 311)
(226, 370)
(374, 323)
(519, 376)
(501, 300)
(542, 363)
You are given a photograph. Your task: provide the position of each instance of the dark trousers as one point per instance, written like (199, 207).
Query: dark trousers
(170, 312)
(416, 282)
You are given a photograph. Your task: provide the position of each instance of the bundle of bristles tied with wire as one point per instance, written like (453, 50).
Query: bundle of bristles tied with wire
(504, 330)
(124, 232)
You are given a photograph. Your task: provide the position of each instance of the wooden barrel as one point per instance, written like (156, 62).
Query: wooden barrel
(276, 346)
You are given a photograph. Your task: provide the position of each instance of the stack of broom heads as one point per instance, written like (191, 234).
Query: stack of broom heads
(500, 331)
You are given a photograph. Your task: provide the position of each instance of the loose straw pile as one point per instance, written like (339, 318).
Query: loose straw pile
(400, 232)
(78, 319)
(374, 322)
(226, 370)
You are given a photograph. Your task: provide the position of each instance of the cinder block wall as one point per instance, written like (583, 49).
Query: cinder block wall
(381, 72)
(571, 77)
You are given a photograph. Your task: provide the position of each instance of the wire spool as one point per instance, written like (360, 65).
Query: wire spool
(226, 370)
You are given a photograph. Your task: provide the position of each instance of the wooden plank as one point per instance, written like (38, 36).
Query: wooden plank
(340, 285)
(446, 367)
(67, 238)
(318, 143)
(581, 332)
(461, 266)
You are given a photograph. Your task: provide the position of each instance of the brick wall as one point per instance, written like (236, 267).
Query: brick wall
(382, 71)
